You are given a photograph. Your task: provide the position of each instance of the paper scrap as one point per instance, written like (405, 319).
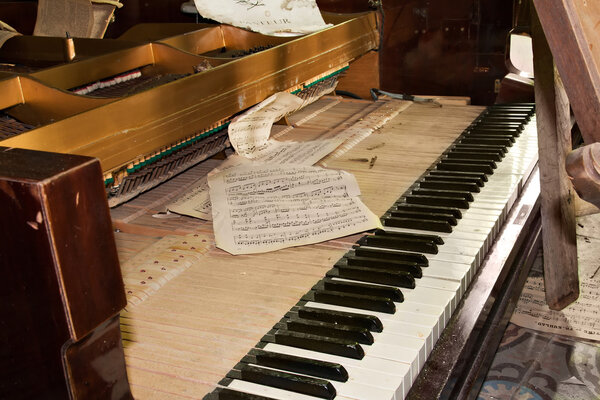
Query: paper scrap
(580, 319)
(262, 208)
(265, 16)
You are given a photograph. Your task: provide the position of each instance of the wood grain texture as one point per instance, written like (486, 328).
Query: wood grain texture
(572, 31)
(583, 167)
(557, 195)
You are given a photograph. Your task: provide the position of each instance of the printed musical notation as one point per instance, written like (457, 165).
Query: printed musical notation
(258, 147)
(265, 16)
(580, 319)
(262, 208)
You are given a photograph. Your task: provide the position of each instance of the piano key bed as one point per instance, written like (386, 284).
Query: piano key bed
(365, 330)
(371, 319)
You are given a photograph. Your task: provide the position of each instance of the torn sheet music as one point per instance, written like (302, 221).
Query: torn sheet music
(265, 16)
(580, 319)
(262, 208)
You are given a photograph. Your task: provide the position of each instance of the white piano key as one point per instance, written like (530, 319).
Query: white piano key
(453, 287)
(397, 353)
(430, 296)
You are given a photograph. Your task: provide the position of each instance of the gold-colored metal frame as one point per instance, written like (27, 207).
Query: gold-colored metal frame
(122, 130)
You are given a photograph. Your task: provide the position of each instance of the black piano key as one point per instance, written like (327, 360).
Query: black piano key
(481, 147)
(384, 277)
(228, 394)
(416, 236)
(327, 329)
(399, 243)
(450, 160)
(339, 347)
(301, 365)
(431, 225)
(498, 125)
(449, 185)
(486, 140)
(435, 216)
(508, 110)
(455, 212)
(483, 135)
(419, 259)
(460, 194)
(368, 262)
(437, 201)
(502, 118)
(284, 380)
(444, 165)
(370, 322)
(480, 175)
(358, 301)
(472, 155)
(392, 293)
(506, 131)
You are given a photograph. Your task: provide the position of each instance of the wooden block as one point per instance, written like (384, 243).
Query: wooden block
(59, 266)
(557, 195)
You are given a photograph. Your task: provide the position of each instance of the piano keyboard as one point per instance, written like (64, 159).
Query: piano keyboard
(365, 330)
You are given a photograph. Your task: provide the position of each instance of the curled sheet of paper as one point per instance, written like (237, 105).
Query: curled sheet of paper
(262, 208)
(197, 202)
(250, 131)
(265, 16)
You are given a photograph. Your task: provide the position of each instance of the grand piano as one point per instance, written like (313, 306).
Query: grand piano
(137, 302)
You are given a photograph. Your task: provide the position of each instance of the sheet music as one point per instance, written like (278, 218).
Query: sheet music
(265, 16)
(250, 131)
(258, 147)
(262, 208)
(580, 319)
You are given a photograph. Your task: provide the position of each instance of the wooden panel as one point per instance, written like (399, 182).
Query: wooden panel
(571, 28)
(557, 195)
(61, 277)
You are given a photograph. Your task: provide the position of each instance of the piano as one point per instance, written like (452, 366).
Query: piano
(411, 310)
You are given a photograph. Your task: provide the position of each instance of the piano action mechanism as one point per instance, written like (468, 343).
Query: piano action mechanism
(357, 317)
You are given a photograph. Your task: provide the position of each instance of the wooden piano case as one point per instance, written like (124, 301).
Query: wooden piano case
(62, 285)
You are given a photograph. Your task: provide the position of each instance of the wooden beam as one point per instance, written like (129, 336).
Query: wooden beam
(570, 27)
(557, 195)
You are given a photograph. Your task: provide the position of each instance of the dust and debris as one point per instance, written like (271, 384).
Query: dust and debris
(377, 146)
(359, 159)
(372, 162)
(580, 225)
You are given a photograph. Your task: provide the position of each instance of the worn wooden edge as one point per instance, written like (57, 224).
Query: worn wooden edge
(564, 31)
(464, 351)
(557, 194)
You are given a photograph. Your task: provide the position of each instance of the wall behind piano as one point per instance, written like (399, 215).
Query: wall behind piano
(440, 47)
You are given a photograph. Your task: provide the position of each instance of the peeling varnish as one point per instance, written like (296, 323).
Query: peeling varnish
(33, 225)
(77, 199)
